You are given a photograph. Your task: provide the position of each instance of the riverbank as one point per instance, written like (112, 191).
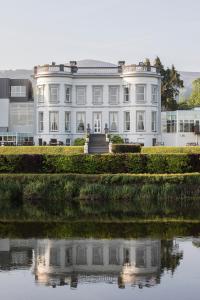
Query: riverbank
(66, 197)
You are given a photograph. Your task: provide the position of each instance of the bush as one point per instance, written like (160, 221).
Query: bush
(168, 149)
(116, 139)
(126, 148)
(79, 142)
(97, 164)
(51, 150)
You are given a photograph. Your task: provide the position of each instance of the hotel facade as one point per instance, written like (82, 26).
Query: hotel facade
(96, 97)
(67, 101)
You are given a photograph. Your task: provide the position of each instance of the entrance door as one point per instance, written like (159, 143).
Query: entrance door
(97, 122)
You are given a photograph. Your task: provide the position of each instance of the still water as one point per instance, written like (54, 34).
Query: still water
(118, 268)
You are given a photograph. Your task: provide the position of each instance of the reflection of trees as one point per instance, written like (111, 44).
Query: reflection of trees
(170, 256)
(196, 242)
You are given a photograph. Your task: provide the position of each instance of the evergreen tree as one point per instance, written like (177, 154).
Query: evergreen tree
(194, 99)
(171, 83)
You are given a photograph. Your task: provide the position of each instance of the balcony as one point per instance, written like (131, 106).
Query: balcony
(139, 68)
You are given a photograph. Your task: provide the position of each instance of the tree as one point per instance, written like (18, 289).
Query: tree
(171, 83)
(147, 62)
(194, 99)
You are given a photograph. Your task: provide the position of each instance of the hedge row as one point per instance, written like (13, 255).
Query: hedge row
(97, 164)
(49, 150)
(168, 149)
(60, 197)
(126, 148)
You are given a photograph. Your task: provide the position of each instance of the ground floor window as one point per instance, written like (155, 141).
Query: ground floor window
(153, 121)
(186, 126)
(41, 121)
(80, 121)
(53, 121)
(140, 120)
(127, 121)
(67, 121)
(113, 119)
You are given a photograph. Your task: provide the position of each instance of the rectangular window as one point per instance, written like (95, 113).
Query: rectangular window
(97, 258)
(140, 92)
(80, 121)
(53, 121)
(154, 121)
(113, 256)
(80, 95)
(68, 94)
(113, 94)
(67, 121)
(54, 93)
(97, 94)
(41, 121)
(68, 256)
(126, 94)
(154, 256)
(113, 120)
(186, 125)
(18, 91)
(54, 257)
(81, 255)
(40, 93)
(140, 258)
(127, 121)
(140, 120)
(154, 93)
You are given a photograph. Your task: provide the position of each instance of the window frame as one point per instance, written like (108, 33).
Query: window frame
(100, 87)
(68, 86)
(40, 98)
(126, 122)
(40, 122)
(154, 94)
(126, 94)
(154, 121)
(117, 121)
(117, 87)
(136, 93)
(50, 113)
(144, 120)
(69, 121)
(57, 87)
(20, 93)
(84, 123)
(85, 93)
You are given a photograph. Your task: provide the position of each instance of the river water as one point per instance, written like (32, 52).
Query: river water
(99, 268)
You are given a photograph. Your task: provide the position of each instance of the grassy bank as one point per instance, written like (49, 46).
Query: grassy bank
(122, 196)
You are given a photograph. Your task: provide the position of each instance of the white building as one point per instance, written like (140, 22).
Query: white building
(181, 127)
(88, 95)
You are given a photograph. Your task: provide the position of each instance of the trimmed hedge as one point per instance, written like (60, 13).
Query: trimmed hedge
(50, 150)
(61, 197)
(97, 164)
(168, 149)
(126, 148)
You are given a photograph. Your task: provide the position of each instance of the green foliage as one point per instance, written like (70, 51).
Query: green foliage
(171, 83)
(60, 197)
(116, 139)
(194, 99)
(99, 164)
(169, 149)
(51, 150)
(79, 142)
(126, 148)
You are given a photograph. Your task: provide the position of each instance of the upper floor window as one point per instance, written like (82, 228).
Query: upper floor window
(126, 94)
(140, 120)
(53, 121)
(41, 121)
(68, 94)
(140, 92)
(80, 95)
(154, 121)
(113, 94)
(40, 93)
(97, 258)
(127, 121)
(97, 94)
(113, 121)
(154, 93)
(54, 93)
(18, 91)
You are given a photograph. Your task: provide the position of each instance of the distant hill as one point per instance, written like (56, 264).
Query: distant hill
(187, 77)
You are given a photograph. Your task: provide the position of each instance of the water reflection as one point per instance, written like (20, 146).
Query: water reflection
(138, 262)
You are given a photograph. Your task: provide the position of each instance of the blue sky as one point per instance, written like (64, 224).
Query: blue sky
(40, 31)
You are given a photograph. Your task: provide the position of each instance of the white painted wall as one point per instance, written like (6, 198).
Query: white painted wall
(4, 112)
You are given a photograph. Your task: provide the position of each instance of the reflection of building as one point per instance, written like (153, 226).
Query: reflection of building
(77, 261)
(71, 262)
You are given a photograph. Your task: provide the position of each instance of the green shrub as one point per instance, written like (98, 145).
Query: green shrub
(32, 150)
(168, 149)
(116, 139)
(126, 148)
(79, 142)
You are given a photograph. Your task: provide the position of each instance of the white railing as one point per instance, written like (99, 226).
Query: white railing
(131, 69)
